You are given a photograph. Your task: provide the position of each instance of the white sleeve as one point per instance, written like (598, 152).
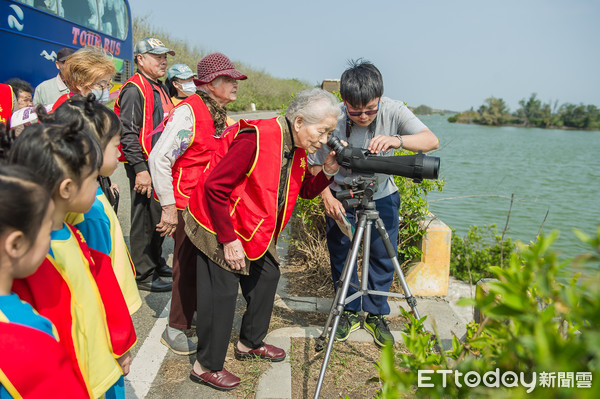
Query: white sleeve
(172, 144)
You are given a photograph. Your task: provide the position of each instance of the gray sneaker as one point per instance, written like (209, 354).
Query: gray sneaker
(178, 342)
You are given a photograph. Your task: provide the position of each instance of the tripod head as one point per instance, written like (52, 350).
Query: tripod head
(361, 191)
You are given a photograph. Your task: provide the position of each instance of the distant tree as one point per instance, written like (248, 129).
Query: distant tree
(530, 110)
(494, 112)
(593, 117)
(573, 115)
(535, 113)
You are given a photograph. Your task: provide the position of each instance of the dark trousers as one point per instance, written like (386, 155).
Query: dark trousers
(217, 293)
(183, 298)
(381, 268)
(145, 241)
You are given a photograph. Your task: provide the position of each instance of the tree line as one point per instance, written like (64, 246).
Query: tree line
(532, 113)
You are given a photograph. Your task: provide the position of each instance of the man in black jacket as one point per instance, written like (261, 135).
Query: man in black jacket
(142, 105)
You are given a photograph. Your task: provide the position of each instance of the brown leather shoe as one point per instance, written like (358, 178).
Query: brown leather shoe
(268, 352)
(222, 380)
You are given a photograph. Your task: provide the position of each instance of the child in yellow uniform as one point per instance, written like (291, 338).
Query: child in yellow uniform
(100, 226)
(26, 338)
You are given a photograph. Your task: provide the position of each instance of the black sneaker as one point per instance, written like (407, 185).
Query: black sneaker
(377, 326)
(349, 321)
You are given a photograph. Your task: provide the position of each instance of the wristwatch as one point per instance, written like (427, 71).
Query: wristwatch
(401, 141)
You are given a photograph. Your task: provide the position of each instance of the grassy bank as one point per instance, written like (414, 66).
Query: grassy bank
(262, 89)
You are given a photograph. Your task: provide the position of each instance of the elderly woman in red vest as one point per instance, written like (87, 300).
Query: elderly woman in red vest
(176, 162)
(234, 217)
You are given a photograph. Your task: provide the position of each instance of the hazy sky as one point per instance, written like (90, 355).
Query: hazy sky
(446, 54)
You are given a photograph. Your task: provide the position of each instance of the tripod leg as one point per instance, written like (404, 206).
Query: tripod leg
(412, 302)
(338, 307)
(364, 280)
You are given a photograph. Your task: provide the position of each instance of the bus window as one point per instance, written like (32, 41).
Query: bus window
(83, 12)
(113, 17)
(44, 5)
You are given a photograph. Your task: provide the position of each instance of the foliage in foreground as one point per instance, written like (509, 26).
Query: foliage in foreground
(534, 323)
(262, 89)
(473, 255)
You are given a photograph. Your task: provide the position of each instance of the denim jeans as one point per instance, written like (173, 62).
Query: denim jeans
(381, 268)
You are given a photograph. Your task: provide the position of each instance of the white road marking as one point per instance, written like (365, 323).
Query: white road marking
(148, 360)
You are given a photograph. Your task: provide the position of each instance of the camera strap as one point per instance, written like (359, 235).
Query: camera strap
(289, 154)
(370, 129)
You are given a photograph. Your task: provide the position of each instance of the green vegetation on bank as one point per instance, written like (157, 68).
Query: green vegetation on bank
(533, 113)
(262, 89)
(472, 256)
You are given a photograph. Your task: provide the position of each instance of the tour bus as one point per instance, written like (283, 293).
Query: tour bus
(32, 32)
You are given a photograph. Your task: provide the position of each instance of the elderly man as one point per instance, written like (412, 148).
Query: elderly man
(49, 90)
(142, 105)
(176, 162)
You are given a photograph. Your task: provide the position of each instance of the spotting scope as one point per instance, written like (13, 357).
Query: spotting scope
(416, 167)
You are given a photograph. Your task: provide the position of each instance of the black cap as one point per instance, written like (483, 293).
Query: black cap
(63, 53)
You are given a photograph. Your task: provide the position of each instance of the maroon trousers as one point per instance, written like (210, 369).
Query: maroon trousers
(183, 299)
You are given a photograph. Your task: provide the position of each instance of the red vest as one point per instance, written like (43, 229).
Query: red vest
(188, 168)
(24, 349)
(6, 104)
(60, 101)
(145, 88)
(253, 203)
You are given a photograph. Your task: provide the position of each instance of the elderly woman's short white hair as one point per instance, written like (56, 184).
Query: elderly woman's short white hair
(313, 105)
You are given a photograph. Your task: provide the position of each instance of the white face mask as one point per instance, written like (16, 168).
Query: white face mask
(188, 88)
(101, 95)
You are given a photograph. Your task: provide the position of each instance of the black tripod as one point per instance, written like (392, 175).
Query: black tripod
(361, 192)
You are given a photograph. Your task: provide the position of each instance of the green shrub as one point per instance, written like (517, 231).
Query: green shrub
(541, 316)
(472, 256)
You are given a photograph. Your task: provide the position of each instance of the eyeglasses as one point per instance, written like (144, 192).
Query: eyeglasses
(369, 112)
(103, 85)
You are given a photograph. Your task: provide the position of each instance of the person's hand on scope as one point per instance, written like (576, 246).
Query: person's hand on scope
(330, 165)
(382, 143)
(333, 208)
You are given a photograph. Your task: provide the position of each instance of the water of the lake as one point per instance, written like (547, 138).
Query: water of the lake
(548, 171)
